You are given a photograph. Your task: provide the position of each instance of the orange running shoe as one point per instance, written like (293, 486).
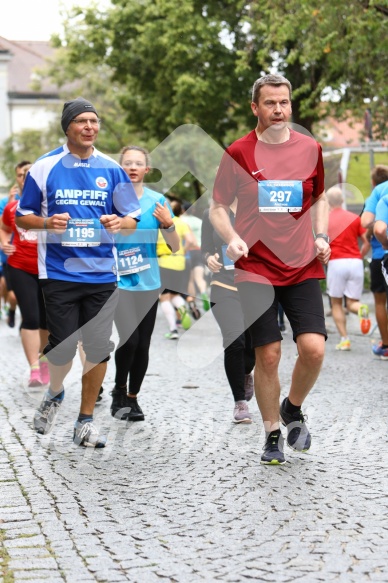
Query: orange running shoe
(365, 323)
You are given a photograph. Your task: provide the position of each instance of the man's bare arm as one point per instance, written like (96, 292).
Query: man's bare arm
(367, 219)
(320, 221)
(56, 222)
(380, 232)
(219, 217)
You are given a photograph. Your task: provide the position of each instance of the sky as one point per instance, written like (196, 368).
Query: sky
(35, 20)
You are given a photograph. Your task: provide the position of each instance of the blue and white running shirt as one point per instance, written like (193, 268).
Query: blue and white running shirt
(86, 189)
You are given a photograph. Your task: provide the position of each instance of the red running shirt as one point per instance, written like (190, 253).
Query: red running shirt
(281, 242)
(344, 230)
(26, 254)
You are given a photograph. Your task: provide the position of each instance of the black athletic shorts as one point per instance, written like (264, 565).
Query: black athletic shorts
(302, 304)
(79, 310)
(174, 281)
(8, 282)
(377, 281)
(29, 297)
(195, 256)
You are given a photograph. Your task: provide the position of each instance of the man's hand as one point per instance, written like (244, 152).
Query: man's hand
(323, 250)
(13, 192)
(57, 223)
(236, 249)
(112, 223)
(213, 264)
(8, 249)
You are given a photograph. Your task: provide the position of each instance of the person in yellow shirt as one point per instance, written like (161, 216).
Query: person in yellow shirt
(173, 274)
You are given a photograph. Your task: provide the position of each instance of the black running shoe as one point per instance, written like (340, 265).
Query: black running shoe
(194, 310)
(119, 407)
(135, 413)
(99, 397)
(11, 319)
(298, 436)
(273, 449)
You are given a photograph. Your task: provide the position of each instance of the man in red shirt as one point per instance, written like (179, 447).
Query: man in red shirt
(277, 175)
(345, 270)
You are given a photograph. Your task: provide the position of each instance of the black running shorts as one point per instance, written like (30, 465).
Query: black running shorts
(302, 304)
(78, 311)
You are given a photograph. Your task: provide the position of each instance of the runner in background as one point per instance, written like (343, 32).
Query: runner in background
(21, 249)
(345, 270)
(239, 356)
(173, 274)
(197, 282)
(7, 294)
(379, 177)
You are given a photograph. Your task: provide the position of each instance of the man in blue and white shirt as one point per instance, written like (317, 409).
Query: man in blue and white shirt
(77, 198)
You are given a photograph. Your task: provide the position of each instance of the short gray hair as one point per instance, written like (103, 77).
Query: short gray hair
(268, 80)
(334, 196)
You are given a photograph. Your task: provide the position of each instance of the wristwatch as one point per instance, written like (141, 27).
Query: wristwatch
(169, 229)
(323, 236)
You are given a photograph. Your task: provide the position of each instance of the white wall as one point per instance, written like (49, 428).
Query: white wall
(29, 115)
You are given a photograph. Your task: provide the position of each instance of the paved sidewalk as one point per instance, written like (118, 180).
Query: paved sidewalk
(182, 497)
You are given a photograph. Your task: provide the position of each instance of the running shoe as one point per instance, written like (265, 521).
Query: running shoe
(205, 302)
(343, 345)
(194, 310)
(135, 413)
(249, 386)
(87, 435)
(172, 335)
(35, 379)
(298, 436)
(11, 318)
(185, 318)
(119, 408)
(273, 449)
(379, 351)
(46, 414)
(44, 372)
(241, 413)
(363, 314)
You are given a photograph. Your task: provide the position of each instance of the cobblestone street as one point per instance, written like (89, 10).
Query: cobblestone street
(182, 497)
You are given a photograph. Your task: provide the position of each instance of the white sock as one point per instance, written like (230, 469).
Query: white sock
(169, 312)
(177, 301)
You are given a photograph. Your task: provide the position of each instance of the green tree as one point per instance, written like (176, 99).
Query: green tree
(194, 62)
(174, 61)
(152, 65)
(26, 145)
(331, 51)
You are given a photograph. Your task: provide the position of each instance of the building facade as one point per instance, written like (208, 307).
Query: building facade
(21, 106)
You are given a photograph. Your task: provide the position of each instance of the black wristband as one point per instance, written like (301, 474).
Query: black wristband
(323, 236)
(169, 229)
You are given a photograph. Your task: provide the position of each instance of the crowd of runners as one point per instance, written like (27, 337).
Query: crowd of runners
(87, 245)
